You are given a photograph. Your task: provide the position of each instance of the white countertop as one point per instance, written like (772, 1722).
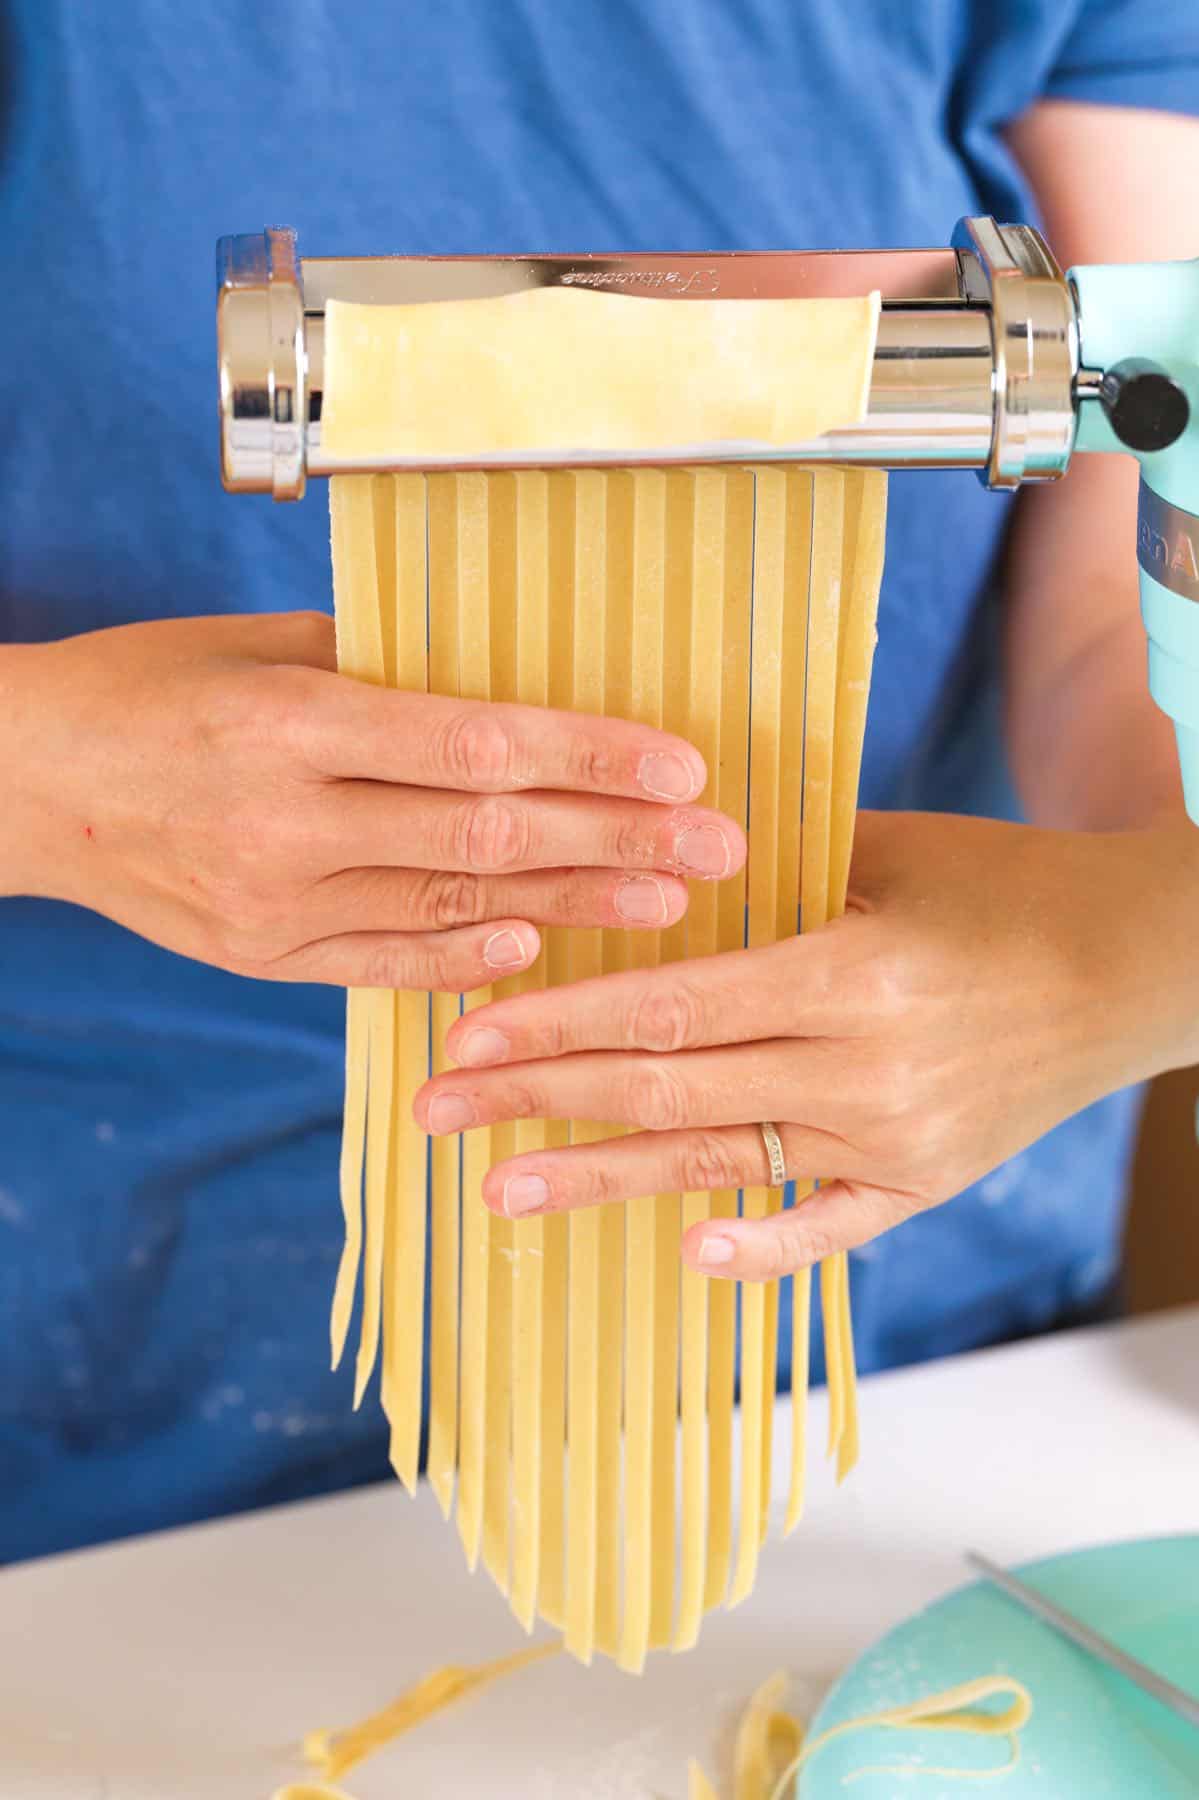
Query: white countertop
(185, 1666)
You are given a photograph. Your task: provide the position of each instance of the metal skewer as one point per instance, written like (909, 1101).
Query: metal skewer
(1156, 1686)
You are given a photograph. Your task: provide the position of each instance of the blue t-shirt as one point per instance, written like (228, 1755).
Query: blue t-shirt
(169, 1222)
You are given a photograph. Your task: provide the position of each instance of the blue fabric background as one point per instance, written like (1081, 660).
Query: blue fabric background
(168, 1210)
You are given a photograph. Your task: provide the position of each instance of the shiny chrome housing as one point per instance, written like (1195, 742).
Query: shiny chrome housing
(262, 362)
(1034, 348)
(974, 366)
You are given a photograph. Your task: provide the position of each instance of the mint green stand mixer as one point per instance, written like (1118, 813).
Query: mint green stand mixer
(988, 357)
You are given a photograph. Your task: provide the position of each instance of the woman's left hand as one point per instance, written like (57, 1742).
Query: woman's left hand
(987, 981)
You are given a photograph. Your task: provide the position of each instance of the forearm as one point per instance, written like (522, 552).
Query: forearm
(1092, 753)
(1088, 747)
(26, 771)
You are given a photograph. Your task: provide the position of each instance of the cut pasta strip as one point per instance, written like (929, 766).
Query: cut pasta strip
(446, 565)
(498, 494)
(353, 1151)
(463, 1222)
(824, 612)
(336, 1752)
(360, 653)
(802, 489)
(764, 1745)
(586, 1294)
(611, 1572)
(306, 1791)
(769, 1749)
(406, 1259)
(375, 645)
(610, 1458)
(865, 537)
(769, 626)
(793, 845)
(956, 1709)
(528, 1237)
(400, 522)
(801, 1339)
(732, 797)
(700, 933)
(551, 1600)
(643, 1288)
(698, 1785)
(382, 1157)
(677, 583)
(564, 1352)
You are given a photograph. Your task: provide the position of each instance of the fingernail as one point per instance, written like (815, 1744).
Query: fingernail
(642, 901)
(481, 1046)
(525, 1194)
(714, 1251)
(666, 776)
(450, 1112)
(504, 950)
(703, 850)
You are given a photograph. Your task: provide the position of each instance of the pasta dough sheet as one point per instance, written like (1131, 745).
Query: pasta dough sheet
(735, 605)
(568, 370)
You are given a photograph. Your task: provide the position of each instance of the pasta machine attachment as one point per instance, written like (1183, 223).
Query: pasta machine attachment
(988, 357)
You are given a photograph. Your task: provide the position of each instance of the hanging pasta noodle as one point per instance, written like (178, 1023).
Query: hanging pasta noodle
(732, 798)
(595, 1237)
(718, 679)
(563, 1352)
(864, 550)
(459, 588)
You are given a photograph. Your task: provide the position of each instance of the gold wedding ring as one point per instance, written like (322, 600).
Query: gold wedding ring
(774, 1150)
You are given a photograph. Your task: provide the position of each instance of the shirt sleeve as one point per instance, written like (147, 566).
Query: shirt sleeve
(1131, 53)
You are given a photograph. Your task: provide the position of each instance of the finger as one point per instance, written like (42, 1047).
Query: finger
(364, 823)
(353, 729)
(669, 1162)
(436, 900)
(733, 998)
(838, 1216)
(435, 961)
(734, 1086)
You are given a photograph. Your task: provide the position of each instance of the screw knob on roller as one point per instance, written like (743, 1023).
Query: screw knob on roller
(1145, 406)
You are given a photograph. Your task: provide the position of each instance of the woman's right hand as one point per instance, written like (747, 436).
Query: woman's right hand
(216, 786)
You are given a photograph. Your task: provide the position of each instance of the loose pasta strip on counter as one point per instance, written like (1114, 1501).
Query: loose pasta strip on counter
(769, 1750)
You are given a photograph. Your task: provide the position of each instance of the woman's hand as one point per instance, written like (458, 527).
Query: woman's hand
(988, 981)
(214, 785)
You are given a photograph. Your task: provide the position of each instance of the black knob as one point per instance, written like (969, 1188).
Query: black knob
(1147, 408)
